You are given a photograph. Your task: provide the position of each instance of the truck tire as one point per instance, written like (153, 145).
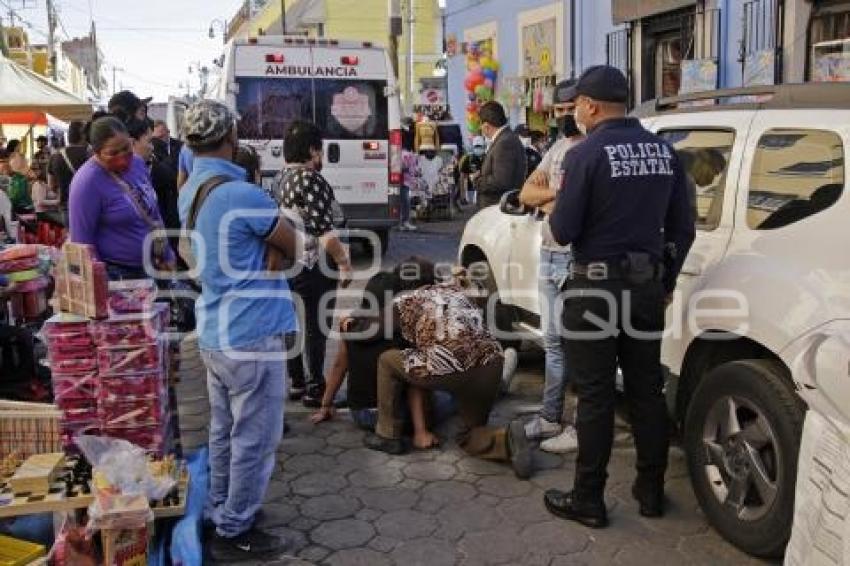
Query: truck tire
(742, 437)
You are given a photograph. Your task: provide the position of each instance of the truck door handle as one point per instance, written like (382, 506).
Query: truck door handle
(333, 153)
(693, 269)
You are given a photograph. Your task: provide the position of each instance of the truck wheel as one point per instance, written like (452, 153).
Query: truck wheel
(742, 437)
(500, 317)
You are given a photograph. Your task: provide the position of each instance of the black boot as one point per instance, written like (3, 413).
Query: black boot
(650, 498)
(566, 506)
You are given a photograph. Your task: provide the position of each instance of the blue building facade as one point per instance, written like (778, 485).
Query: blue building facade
(665, 47)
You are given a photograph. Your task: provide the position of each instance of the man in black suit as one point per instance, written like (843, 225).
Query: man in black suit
(504, 166)
(165, 148)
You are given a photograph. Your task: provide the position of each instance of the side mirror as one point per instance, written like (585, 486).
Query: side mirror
(509, 204)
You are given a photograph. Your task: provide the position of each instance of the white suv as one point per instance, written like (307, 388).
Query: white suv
(765, 281)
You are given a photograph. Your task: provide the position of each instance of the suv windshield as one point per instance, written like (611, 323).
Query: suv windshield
(343, 109)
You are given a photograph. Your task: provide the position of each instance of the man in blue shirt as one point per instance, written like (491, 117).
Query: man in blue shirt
(243, 314)
(625, 210)
(185, 162)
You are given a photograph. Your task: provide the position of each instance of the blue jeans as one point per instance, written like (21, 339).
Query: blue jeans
(246, 426)
(554, 268)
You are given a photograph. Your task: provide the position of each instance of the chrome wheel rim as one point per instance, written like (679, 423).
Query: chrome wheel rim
(743, 460)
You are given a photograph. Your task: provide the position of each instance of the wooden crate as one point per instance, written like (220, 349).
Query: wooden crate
(37, 473)
(81, 282)
(29, 428)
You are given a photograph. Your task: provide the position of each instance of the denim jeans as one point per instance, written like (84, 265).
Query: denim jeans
(554, 268)
(246, 426)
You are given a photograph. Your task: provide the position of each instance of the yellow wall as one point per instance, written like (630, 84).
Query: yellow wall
(368, 20)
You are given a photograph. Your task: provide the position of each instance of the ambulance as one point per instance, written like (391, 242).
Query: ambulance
(349, 90)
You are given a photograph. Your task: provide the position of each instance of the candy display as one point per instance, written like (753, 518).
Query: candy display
(131, 296)
(131, 328)
(132, 384)
(131, 358)
(115, 411)
(75, 386)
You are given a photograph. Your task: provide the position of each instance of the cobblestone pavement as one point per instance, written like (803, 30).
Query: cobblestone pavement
(338, 503)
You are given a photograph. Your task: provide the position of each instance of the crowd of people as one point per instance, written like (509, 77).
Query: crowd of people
(269, 263)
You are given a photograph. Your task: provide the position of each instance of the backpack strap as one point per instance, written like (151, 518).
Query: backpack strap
(203, 192)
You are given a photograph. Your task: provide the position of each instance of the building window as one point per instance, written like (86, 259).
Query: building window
(667, 41)
(618, 51)
(705, 157)
(796, 174)
(761, 45)
(829, 42)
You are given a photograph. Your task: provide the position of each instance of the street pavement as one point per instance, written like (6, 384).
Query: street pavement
(338, 503)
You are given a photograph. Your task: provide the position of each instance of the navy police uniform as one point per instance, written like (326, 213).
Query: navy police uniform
(624, 209)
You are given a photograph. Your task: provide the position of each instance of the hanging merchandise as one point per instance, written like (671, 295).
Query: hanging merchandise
(480, 83)
(538, 98)
(548, 94)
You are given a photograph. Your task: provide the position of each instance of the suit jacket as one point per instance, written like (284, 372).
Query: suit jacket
(167, 153)
(503, 170)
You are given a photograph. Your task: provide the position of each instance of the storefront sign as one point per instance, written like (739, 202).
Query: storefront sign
(631, 10)
(760, 68)
(539, 48)
(698, 75)
(831, 61)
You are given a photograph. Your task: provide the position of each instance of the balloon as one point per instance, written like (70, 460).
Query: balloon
(478, 79)
(472, 107)
(475, 68)
(494, 65)
(483, 92)
(471, 96)
(486, 62)
(489, 83)
(490, 74)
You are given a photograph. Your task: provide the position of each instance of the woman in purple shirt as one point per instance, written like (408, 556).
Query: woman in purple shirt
(113, 206)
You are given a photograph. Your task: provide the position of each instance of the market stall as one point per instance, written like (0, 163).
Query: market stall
(104, 456)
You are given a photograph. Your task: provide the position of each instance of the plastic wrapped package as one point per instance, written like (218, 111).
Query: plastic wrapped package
(65, 364)
(132, 328)
(18, 252)
(22, 264)
(153, 439)
(76, 411)
(124, 467)
(117, 411)
(64, 324)
(131, 296)
(71, 431)
(132, 384)
(131, 358)
(75, 386)
(29, 299)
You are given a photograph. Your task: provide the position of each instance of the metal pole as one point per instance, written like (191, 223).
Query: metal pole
(51, 38)
(410, 64)
(283, 17)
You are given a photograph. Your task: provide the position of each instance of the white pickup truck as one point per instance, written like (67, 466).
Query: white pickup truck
(764, 281)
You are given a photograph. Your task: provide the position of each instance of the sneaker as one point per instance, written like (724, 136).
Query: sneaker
(296, 393)
(408, 227)
(565, 442)
(509, 368)
(253, 544)
(540, 428)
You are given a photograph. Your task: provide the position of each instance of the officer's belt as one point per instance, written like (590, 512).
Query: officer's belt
(605, 271)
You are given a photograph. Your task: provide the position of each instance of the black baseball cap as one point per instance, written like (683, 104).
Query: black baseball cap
(126, 101)
(565, 91)
(603, 83)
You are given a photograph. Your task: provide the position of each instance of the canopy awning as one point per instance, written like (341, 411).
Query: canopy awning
(25, 95)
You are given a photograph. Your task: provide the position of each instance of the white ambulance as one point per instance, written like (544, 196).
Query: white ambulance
(349, 90)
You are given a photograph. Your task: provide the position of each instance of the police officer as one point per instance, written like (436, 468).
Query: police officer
(624, 209)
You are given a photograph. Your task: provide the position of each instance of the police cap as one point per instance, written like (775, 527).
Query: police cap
(603, 83)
